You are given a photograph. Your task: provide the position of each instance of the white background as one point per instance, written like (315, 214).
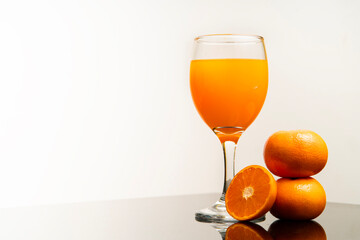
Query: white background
(95, 101)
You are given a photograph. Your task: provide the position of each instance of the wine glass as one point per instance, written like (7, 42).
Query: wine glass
(228, 81)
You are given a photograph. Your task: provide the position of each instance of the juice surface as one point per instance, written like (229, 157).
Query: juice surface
(228, 92)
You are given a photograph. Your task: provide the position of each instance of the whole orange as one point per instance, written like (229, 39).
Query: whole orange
(295, 153)
(298, 199)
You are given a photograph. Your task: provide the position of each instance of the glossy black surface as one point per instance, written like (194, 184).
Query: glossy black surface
(162, 218)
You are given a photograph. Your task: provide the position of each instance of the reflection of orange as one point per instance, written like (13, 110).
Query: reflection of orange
(248, 231)
(251, 193)
(297, 230)
(296, 153)
(298, 199)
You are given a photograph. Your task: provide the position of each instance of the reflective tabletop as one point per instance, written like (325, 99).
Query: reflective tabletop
(165, 218)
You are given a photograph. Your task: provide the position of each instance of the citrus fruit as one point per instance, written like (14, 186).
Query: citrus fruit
(298, 199)
(248, 231)
(295, 153)
(297, 230)
(251, 193)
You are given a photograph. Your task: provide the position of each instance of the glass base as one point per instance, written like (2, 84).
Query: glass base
(217, 214)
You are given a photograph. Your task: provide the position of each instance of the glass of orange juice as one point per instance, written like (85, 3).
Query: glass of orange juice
(228, 81)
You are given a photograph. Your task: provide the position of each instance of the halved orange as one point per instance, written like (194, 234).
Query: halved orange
(248, 231)
(251, 193)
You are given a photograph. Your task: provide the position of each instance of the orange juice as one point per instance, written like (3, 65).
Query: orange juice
(228, 93)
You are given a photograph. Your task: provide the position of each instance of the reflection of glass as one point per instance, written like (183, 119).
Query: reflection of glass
(228, 80)
(221, 228)
(296, 230)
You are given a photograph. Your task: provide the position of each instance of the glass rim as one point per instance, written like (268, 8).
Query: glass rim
(229, 38)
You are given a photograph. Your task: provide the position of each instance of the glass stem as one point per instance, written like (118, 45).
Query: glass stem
(229, 148)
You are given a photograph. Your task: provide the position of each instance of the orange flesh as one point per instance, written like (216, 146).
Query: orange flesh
(245, 204)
